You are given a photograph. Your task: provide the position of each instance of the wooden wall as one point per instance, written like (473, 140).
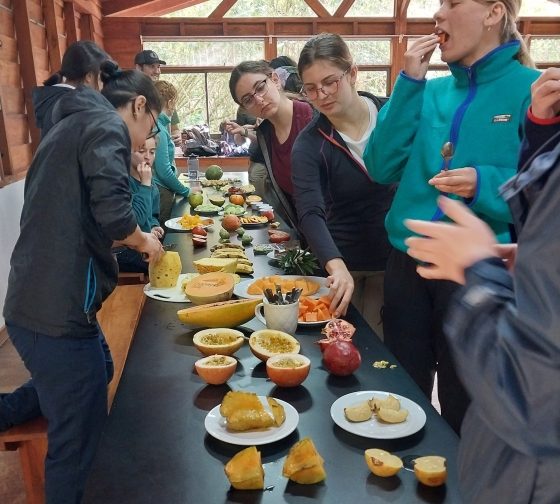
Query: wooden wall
(33, 37)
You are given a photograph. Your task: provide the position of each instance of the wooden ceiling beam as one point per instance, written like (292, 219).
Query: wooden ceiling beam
(343, 8)
(121, 7)
(87, 7)
(318, 8)
(222, 9)
(157, 8)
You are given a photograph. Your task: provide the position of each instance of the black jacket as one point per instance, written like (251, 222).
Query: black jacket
(77, 202)
(44, 99)
(504, 331)
(341, 210)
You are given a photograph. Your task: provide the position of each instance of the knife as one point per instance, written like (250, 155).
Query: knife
(166, 248)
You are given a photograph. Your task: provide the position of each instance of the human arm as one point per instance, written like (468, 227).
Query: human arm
(312, 219)
(164, 167)
(543, 119)
(175, 130)
(241, 133)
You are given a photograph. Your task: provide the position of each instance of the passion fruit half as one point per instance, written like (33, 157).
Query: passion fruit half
(266, 343)
(216, 369)
(218, 341)
(288, 370)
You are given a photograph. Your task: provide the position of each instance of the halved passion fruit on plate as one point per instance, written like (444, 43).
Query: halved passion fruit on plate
(216, 369)
(218, 341)
(288, 370)
(266, 343)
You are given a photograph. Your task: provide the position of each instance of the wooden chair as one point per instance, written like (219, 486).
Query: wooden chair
(118, 319)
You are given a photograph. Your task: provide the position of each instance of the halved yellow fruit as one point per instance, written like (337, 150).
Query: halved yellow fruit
(431, 470)
(219, 341)
(267, 343)
(382, 463)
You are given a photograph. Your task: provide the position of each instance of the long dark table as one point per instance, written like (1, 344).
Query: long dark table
(155, 449)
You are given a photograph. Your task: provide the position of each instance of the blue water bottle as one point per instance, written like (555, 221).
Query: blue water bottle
(193, 167)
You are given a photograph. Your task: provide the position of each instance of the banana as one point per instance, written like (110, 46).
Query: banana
(244, 268)
(245, 261)
(219, 246)
(230, 254)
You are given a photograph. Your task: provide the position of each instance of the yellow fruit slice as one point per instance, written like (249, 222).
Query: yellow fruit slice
(382, 463)
(245, 471)
(392, 416)
(431, 470)
(360, 413)
(224, 314)
(389, 402)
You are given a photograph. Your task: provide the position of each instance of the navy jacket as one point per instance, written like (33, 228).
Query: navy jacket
(77, 202)
(340, 208)
(504, 331)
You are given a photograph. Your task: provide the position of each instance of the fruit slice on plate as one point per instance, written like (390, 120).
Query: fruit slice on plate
(245, 471)
(210, 288)
(391, 416)
(216, 369)
(220, 341)
(266, 343)
(382, 463)
(359, 413)
(431, 470)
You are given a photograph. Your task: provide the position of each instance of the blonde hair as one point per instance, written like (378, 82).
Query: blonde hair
(166, 91)
(510, 31)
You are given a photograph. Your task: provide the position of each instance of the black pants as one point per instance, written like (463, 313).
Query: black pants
(130, 261)
(166, 200)
(69, 378)
(412, 320)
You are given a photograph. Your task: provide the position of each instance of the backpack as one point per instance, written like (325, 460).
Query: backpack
(198, 142)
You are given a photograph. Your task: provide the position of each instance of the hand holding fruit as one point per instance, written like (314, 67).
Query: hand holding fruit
(341, 285)
(145, 172)
(460, 181)
(151, 246)
(450, 248)
(417, 58)
(545, 94)
(158, 232)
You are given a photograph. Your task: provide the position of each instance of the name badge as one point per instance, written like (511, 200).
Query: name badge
(502, 118)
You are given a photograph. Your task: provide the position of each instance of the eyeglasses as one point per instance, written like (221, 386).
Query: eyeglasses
(156, 126)
(311, 92)
(260, 90)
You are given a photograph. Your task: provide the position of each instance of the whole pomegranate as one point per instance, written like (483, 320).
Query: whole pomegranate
(341, 358)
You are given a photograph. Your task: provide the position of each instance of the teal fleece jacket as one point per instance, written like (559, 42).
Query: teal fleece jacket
(164, 164)
(145, 203)
(480, 109)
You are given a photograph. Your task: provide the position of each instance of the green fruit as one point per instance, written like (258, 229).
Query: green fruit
(196, 199)
(218, 201)
(224, 240)
(240, 231)
(246, 240)
(224, 234)
(214, 172)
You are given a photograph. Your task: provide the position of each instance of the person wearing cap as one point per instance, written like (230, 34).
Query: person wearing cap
(149, 63)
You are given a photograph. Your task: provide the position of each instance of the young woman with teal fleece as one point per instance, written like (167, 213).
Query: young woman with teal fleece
(480, 109)
(165, 172)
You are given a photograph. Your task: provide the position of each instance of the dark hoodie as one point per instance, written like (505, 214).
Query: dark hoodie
(44, 99)
(77, 202)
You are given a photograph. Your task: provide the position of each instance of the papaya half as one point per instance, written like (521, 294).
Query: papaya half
(224, 314)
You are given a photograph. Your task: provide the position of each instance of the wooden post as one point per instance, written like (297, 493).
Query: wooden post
(87, 28)
(70, 23)
(398, 43)
(27, 65)
(55, 56)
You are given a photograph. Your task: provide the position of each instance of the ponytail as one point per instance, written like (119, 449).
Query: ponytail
(55, 78)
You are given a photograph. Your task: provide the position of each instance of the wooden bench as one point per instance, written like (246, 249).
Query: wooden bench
(118, 319)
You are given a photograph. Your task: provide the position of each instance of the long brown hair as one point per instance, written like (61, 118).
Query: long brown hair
(509, 29)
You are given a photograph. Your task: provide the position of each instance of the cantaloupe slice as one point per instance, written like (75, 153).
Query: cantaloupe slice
(311, 317)
(210, 288)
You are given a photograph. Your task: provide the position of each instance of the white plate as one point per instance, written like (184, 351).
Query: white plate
(373, 428)
(174, 224)
(240, 289)
(271, 255)
(215, 425)
(221, 212)
(171, 294)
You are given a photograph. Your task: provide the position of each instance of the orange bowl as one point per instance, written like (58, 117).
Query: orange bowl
(288, 370)
(216, 369)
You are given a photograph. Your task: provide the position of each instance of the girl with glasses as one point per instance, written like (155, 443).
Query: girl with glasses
(341, 209)
(165, 171)
(77, 204)
(255, 86)
(477, 113)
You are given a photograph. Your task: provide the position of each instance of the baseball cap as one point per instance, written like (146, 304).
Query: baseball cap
(147, 58)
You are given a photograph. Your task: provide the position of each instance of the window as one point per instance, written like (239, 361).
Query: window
(331, 5)
(370, 52)
(545, 50)
(540, 8)
(208, 53)
(203, 9)
(369, 8)
(374, 82)
(291, 48)
(266, 8)
(422, 8)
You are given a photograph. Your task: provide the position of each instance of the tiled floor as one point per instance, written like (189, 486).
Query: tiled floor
(12, 374)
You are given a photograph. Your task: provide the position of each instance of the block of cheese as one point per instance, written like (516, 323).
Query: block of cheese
(212, 264)
(165, 273)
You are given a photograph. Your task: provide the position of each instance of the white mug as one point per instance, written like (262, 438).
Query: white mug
(279, 317)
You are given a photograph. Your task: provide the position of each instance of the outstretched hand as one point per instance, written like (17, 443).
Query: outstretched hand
(445, 250)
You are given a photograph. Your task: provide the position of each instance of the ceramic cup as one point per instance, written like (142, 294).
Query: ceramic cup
(278, 317)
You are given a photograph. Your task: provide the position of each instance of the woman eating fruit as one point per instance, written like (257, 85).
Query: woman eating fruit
(62, 268)
(255, 86)
(503, 325)
(457, 136)
(341, 209)
(165, 172)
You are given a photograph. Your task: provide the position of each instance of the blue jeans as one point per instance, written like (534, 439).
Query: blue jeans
(69, 378)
